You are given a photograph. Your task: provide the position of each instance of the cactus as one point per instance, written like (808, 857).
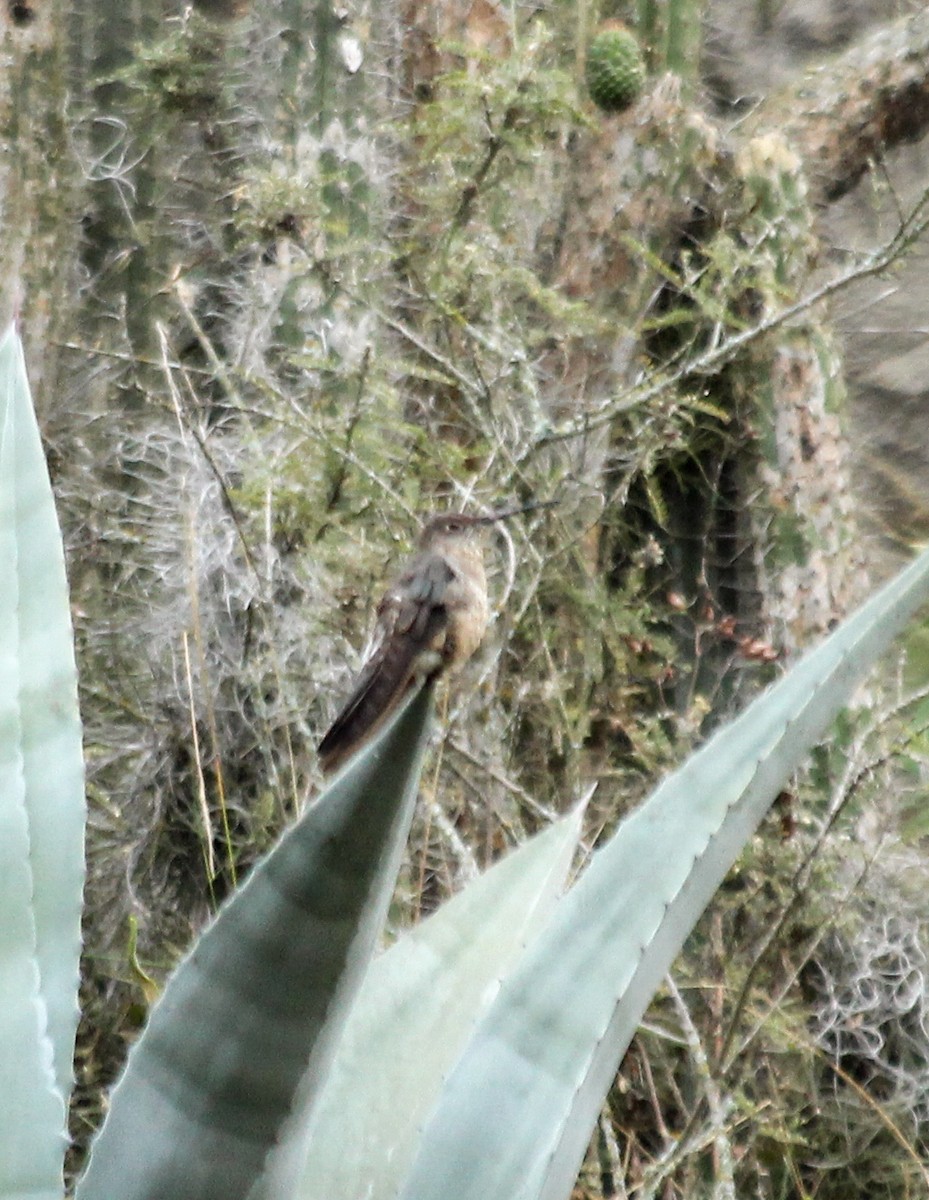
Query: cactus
(671, 32)
(615, 67)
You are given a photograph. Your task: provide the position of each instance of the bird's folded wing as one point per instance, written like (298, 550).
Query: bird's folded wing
(412, 619)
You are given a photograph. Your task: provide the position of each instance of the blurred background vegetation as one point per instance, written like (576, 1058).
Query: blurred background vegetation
(291, 276)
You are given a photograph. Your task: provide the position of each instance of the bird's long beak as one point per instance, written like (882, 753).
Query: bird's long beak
(514, 512)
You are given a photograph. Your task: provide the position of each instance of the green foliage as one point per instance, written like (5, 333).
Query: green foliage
(180, 72)
(485, 128)
(469, 287)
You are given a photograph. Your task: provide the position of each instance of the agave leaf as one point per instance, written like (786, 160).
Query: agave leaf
(53, 759)
(419, 1002)
(517, 1111)
(41, 807)
(259, 1002)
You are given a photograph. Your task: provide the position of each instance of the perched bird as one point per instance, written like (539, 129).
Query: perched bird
(431, 620)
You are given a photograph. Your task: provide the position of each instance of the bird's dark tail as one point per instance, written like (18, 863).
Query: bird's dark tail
(382, 685)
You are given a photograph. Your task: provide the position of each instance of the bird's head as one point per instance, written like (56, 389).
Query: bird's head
(457, 526)
(451, 526)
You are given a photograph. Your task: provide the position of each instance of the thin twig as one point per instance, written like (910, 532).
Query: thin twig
(198, 764)
(724, 1188)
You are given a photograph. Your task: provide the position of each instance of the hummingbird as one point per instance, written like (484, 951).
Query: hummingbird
(431, 620)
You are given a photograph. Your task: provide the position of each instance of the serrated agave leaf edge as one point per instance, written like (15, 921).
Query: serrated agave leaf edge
(32, 1104)
(53, 761)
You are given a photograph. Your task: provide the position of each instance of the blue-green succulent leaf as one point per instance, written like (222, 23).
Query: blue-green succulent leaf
(41, 807)
(419, 1002)
(251, 1017)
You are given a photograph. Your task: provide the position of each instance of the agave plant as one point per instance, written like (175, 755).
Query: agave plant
(41, 806)
(285, 1062)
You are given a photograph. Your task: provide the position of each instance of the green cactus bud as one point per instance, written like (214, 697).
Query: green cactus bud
(615, 67)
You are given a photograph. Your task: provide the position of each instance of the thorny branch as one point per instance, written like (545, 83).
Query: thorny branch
(719, 355)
